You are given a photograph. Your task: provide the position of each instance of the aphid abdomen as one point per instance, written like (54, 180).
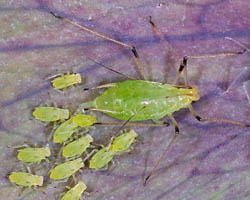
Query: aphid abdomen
(143, 99)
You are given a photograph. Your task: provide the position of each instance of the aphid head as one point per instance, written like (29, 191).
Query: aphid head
(82, 185)
(194, 93)
(79, 163)
(89, 138)
(39, 180)
(78, 78)
(132, 133)
(65, 113)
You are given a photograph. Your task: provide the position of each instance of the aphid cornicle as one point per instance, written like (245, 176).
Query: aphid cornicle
(25, 179)
(147, 100)
(77, 147)
(33, 155)
(75, 192)
(66, 169)
(66, 80)
(50, 114)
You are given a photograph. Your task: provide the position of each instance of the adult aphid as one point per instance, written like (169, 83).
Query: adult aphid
(122, 100)
(50, 114)
(66, 80)
(25, 179)
(67, 169)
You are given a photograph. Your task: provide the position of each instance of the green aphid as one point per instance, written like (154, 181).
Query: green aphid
(25, 179)
(50, 114)
(101, 158)
(123, 142)
(33, 155)
(66, 169)
(84, 120)
(75, 192)
(64, 131)
(77, 147)
(143, 100)
(139, 100)
(66, 80)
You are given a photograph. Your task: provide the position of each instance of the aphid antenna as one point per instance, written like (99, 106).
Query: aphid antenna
(132, 48)
(238, 43)
(110, 69)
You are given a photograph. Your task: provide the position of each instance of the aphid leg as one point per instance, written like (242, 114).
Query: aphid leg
(20, 146)
(90, 154)
(132, 48)
(158, 32)
(211, 120)
(101, 86)
(239, 43)
(74, 178)
(244, 85)
(166, 150)
(110, 69)
(183, 65)
(53, 76)
(94, 145)
(183, 62)
(28, 169)
(112, 165)
(165, 124)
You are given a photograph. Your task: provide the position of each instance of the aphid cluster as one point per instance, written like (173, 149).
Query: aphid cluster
(130, 100)
(71, 150)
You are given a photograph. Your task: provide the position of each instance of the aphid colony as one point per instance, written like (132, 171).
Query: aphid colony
(71, 150)
(130, 100)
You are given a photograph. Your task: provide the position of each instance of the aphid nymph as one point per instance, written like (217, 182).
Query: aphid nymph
(25, 179)
(50, 114)
(66, 80)
(33, 155)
